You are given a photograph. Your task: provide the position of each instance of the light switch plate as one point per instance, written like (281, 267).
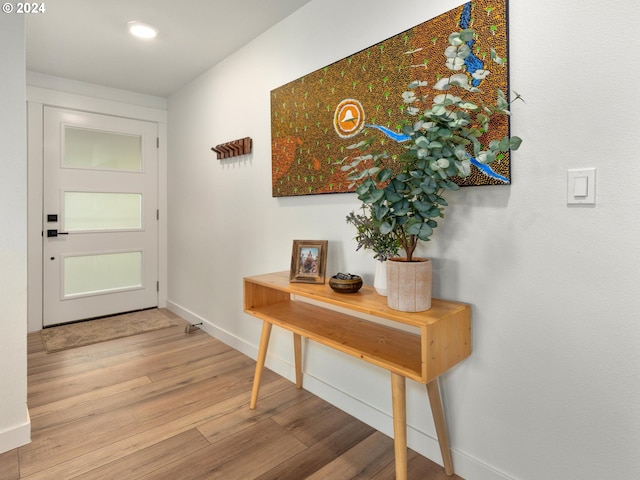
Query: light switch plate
(581, 186)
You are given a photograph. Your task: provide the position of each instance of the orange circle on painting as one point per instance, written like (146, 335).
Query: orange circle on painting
(349, 118)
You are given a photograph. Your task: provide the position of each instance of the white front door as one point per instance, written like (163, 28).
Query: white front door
(100, 227)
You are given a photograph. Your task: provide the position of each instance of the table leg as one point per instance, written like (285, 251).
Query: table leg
(297, 349)
(262, 355)
(399, 400)
(433, 390)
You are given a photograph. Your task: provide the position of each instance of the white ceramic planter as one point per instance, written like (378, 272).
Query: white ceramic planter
(409, 284)
(380, 278)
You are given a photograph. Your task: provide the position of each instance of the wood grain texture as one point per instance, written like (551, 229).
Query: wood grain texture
(170, 405)
(382, 346)
(366, 300)
(443, 337)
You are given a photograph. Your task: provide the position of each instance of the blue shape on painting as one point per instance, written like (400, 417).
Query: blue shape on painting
(398, 137)
(465, 16)
(401, 137)
(488, 171)
(472, 62)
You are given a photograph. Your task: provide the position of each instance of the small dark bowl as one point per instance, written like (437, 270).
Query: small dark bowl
(345, 285)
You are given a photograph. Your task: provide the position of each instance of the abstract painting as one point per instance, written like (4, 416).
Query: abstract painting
(316, 117)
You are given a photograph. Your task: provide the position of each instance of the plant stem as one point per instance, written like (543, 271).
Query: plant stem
(409, 244)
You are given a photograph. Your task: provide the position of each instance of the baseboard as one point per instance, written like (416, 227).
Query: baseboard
(465, 465)
(16, 436)
(223, 335)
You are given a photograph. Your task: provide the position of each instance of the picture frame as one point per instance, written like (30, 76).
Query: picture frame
(308, 261)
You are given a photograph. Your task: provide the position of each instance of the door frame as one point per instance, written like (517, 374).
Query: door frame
(37, 99)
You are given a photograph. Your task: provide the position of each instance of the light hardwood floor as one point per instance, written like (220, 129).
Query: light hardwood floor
(171, 405)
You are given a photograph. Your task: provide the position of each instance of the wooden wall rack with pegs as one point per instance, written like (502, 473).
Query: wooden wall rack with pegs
(234, 148)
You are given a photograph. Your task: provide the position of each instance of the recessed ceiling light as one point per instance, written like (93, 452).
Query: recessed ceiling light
(142, 30)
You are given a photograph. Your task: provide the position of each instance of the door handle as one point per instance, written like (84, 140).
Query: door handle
(55, 233)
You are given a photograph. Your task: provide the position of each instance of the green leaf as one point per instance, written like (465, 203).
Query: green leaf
(423, 207)
(363, 189)
(442, 84)
(458, 123)
(392, 196)
(515, 142)
(387, 226)
(380, 212)
(464, 168)
(460, 152)
(464, 51)
(423, 153)
(482, 119)
(449, 185)
(442, 163)
(422, 142)
(355, 176)
(480, 74)
(384, 175)
(434, 213)
(363, 143)
(428, 186)
(459, 79)
(417, 83)
(401, 208)
(454, 39)
(409, 96)
(372, 197)
(477, 146)
(440, 99)
(441, 201)
(493, 55)
(467, 34)
(445, 133)
(451, 52)
(438, 110)
(400, 221)
(421, 230)
(399, 180)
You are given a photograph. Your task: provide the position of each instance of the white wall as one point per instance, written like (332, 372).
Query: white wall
(15, 429)
(552, 389)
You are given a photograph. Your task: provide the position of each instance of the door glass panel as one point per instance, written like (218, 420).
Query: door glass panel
(104, 273)
(86, 211)
(84, 148)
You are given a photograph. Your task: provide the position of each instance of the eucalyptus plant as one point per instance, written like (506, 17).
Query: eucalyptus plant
(442, 139)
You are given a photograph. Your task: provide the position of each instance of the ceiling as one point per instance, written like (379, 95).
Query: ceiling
(87, 40)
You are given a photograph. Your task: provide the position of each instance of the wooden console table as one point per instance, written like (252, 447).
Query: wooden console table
(444, 339)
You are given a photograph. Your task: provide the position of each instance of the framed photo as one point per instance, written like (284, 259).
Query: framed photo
(308, 261)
